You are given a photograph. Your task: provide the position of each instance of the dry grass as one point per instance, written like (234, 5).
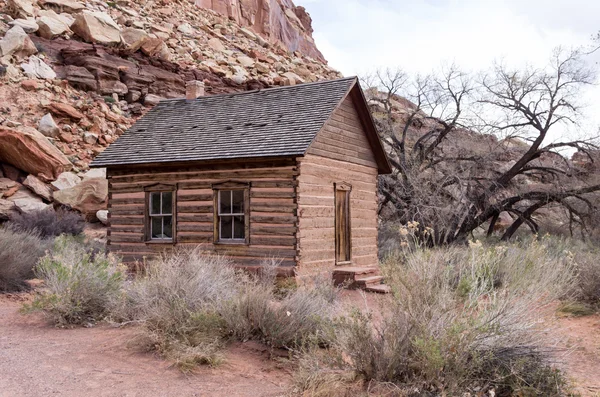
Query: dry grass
(19, 252)
(463, 320)
(79, 284)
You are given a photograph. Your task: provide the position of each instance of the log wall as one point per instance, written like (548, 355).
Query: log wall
(340, 153)
(273, 209)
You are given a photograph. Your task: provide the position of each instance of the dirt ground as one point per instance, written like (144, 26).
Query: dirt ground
(39, 360)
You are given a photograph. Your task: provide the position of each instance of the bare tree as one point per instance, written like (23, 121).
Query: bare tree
(465, 152)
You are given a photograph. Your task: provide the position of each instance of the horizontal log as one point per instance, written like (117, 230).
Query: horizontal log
(125, 238)
(194, 197)
(277, 183)
(126, 211)
(194, 218)
(195, 227)
(126, 221)
(161, 168)
(273, 241)
(266, 194)
(194, 238)
(127, 201)
(287, 172)
(271, 207)
(194, 209)
(278, 220)
(126, 229)
(272, 230)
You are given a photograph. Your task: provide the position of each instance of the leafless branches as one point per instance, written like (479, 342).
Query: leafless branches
(466, 150)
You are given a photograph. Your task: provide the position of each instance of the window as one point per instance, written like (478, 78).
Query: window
(160, 213)
(232, 213)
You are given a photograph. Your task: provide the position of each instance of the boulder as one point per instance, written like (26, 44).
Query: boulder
(31, 151)
(17, 43)
(90, 138)
(80, 77)
(29, 205)
(26, 201)
(88, 197)
(155, 47)
(216, 44)
(186, 29)
(48, 127)
(102, 216)
(30, 85)
(7, 209)
(69, 6)
(21, 8)
(10, 172)
(133, 38)
(28, 25)
(38, 187)
(52, 25)
(66, 180)
(8, 187)
(65, 111)
(97, 27)
(36, 68)
(152, 100)
(95, 173)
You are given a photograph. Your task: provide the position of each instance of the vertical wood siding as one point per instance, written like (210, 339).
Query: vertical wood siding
(340, 153)
(273, 209)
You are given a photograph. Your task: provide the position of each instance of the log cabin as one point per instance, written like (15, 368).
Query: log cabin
(287, 173)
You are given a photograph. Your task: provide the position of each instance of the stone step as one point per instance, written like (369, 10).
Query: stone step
(379, 289)
(369, 281)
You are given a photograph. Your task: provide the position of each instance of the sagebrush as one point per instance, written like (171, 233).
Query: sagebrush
(19, 253)
(80, 285)
(49, 222)
(464, 319)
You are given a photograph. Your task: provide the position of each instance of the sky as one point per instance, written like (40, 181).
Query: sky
(419, 36)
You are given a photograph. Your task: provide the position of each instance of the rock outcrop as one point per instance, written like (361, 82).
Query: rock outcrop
(30, 151)
(279, 21)
(75, 75)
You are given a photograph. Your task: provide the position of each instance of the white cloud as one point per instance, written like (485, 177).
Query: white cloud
(357, 36)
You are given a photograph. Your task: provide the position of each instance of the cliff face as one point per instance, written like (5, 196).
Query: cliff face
(279, 21)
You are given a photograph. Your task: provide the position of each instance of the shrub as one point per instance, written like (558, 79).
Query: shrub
(588, 286)
(19, 252)
(49, 223)
(190, 302)
(178, 302)
(302, 316)
(80, 285)
(464, 319)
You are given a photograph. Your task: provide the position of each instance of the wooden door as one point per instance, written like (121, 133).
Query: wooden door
(342, 226)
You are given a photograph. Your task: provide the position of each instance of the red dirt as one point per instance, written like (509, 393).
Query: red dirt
(581, 336)
(39, 360)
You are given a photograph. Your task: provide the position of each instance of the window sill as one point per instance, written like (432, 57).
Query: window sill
(346, 263)
(163, 242)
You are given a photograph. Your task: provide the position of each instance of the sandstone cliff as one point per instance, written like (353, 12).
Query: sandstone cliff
(280, 21)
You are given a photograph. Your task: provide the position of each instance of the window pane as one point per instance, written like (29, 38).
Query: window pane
(167, 203)
(225, 201)
(238, 202)
(156, 224)
(168, 226)
(154, 203)
(239, 227)
(226, 225)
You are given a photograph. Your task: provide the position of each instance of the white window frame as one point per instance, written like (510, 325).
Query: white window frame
(232, 215)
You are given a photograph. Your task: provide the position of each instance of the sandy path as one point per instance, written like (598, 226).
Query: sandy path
(39, 360)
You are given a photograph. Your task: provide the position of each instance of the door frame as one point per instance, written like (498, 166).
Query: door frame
(347, 188)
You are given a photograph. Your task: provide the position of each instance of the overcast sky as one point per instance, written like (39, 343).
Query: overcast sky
(358, 36)
(418, 35)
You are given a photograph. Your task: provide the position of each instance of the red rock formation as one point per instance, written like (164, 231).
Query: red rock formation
(280, 21)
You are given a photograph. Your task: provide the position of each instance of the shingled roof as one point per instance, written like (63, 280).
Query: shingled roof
(273, 122)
